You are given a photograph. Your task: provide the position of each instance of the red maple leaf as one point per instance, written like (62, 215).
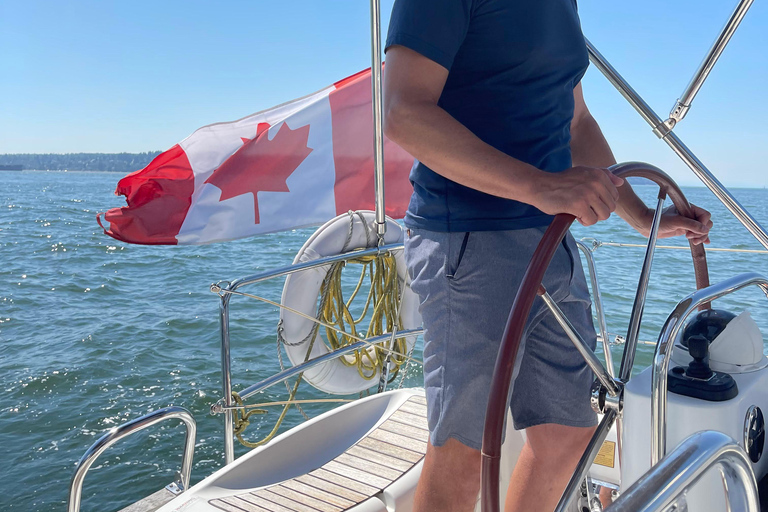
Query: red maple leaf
(262, 165)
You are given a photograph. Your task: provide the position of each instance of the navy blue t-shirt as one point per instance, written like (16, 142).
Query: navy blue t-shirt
(512, 67)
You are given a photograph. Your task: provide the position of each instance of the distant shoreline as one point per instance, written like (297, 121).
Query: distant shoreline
(86, 162)
(126, 163)
(94, 171)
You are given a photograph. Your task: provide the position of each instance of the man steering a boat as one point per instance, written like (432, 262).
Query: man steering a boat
(486, 95)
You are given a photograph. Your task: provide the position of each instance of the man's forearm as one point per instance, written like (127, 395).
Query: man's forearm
(446, 146)
(589, 148)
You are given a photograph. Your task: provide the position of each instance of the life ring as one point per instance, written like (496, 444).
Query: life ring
(301, 291)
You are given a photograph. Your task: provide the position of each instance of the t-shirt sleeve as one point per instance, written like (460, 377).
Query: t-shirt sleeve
(433, 28)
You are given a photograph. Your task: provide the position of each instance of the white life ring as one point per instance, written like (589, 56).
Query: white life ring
(302, 289)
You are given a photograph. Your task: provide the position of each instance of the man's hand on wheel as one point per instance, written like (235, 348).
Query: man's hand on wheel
(674, 224)
(588, 193)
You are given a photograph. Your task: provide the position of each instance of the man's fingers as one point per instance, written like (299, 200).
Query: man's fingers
(602, 209)
(617, 182)
(698, 240)
(702, 215)
(690, 225)
(609, 181)
(588, 217)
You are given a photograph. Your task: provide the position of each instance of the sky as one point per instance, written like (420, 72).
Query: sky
(109, 76)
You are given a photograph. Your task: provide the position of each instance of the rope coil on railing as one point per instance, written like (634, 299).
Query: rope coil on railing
(383, 295)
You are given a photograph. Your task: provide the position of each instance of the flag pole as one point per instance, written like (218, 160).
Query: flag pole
(378, 125)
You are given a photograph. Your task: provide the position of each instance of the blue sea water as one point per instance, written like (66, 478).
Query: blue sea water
(95, 332)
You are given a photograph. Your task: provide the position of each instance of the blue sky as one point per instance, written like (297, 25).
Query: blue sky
(107, 76)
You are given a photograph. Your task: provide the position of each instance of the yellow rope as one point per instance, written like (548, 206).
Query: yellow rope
(383, 296)
(242, 418)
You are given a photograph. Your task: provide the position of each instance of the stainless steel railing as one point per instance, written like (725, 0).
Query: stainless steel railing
(225, 290)
(117, 433)
(683, 104)
(663, 352)
(628, 358)
(293, 371)
(663, 485)
(685, 154)
(378, 120)
(597, 300)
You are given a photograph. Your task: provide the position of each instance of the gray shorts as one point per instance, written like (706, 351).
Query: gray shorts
(466, 283)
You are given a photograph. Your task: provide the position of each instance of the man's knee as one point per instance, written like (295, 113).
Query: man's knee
(454, 467)
(558, 444)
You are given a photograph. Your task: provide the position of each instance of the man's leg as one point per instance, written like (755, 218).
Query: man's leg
(464, 282)
(546, 463)
(450, 480)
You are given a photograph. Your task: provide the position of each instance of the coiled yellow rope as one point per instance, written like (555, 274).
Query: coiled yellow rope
(383, 295)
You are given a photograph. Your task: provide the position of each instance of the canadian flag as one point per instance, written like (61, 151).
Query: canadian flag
(295, 165)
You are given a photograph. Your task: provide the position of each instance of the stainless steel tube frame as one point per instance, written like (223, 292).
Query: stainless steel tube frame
(630, 348)
(298, 267)
(661, 487)
(378, 121)
(663, 132)
(126, 429)
(663, 353)
(683, 104)
(591, 359)
(226, 378)
(598, 301)
(295, 370)
(225, 295)
(582, 468)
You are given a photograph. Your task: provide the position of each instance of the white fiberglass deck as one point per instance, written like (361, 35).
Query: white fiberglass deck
(360, 473)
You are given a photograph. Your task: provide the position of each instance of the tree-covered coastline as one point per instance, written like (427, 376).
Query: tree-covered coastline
(113, 162)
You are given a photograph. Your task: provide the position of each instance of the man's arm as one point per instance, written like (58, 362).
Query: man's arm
(412, 87)
(589, 148)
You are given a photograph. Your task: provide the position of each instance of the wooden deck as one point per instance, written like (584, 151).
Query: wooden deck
(363, 471)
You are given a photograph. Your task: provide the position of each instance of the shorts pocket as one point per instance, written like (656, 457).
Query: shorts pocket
(457, 250)
(578, 289)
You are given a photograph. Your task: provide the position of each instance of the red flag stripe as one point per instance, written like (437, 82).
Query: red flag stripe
(352, 119)
(158, 198)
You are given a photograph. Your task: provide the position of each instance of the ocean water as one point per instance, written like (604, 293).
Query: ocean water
(94, 332)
